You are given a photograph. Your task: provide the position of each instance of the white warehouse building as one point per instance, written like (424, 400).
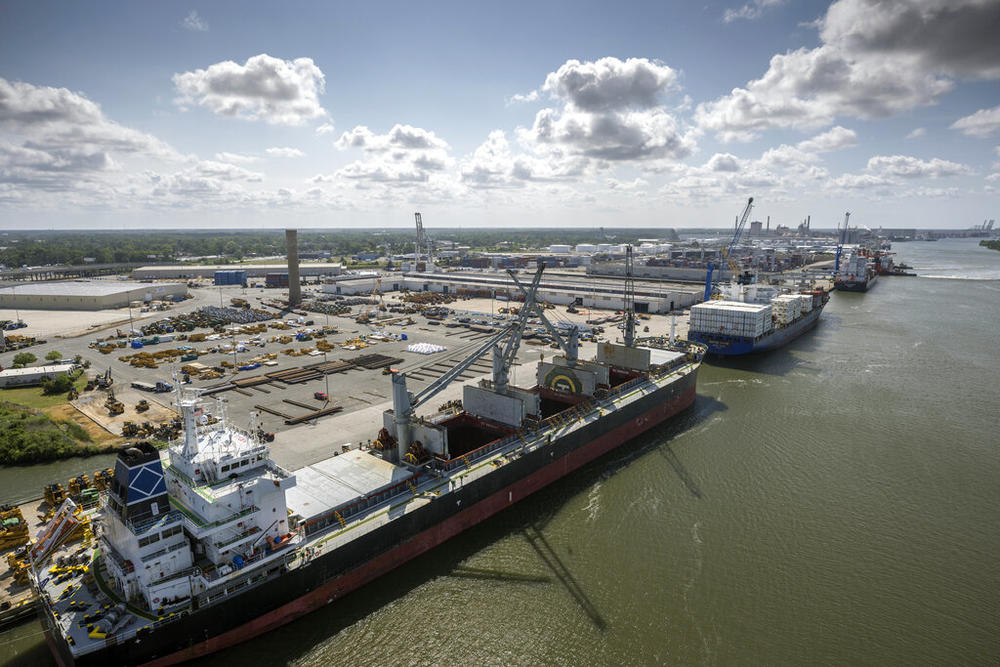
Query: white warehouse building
(19, 377)
(87, 294)
(588, 292)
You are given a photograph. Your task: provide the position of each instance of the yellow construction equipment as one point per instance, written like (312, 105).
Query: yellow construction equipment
(54, 494)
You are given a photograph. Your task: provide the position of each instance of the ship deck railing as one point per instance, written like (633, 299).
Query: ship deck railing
(241, 535)
(160, 521)
(212, 575)
(202, 528)
(160, 552)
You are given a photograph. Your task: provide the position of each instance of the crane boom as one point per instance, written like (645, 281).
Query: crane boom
(503, 358)
(531, 305)
(741, 223)
(419, 245)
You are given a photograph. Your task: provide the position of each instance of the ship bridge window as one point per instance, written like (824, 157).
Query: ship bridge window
(244, 462)
(149, 539)
(225, 468)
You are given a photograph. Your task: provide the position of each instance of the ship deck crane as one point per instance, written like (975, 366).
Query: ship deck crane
(404, 403)
(570, 345)
(840, 244)
(729, 250)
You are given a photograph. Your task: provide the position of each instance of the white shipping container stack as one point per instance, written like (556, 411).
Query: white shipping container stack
(807, 303)
(732, 318)
(787, 308)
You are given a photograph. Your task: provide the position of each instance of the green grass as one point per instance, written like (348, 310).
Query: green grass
(30, 436)
(32, 397)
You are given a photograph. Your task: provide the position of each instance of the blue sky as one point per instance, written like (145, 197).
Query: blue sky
(135, 115)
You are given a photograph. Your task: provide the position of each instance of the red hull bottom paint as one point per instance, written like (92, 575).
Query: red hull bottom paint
(432, 537)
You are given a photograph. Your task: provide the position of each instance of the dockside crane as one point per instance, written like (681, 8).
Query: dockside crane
(840, 244)
(740, 225)
(423, 243)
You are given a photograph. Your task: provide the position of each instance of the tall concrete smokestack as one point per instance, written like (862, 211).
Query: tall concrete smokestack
(292, 250)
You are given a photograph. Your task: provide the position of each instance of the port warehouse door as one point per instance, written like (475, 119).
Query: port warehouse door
(641, 307)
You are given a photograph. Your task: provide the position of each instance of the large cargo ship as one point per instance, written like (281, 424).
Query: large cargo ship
(209, 543)
(858, 272)
(754, 319)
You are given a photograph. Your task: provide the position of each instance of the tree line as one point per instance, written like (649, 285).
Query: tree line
(40, 248)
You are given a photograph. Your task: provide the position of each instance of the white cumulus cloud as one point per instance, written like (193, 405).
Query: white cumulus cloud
(612, 110)
(912, 167)
(284, 152)
(983, 123)
(405, 155)
(833, 139)
(281, 92)
(877, 58)
(62, 140)
(750, 11)
(241, 158)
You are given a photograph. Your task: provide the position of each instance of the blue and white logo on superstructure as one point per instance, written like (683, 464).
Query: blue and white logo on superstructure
(146, 481)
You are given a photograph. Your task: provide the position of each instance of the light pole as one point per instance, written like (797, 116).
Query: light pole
(326, 378)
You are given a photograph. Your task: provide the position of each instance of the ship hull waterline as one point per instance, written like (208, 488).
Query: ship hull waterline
(386, 561)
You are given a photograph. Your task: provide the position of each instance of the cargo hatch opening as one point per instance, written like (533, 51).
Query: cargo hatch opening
(619, 376)
(468, 432)
(553, 402)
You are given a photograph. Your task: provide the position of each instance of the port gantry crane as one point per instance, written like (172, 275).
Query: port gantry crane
(404, 403)
(840, 244)
(740, 224)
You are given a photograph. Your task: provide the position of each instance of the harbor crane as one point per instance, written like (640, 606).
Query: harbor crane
(423, 242)
(840, 244)
(740, 225)
(628, 323)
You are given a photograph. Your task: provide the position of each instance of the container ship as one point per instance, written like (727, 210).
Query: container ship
(750, 318)
(209, 543)
(857, 272)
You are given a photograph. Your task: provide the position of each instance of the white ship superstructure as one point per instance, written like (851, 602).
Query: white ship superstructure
(230, 494)
(195, 522)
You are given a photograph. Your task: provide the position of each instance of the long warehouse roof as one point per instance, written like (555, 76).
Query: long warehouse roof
(79, 288)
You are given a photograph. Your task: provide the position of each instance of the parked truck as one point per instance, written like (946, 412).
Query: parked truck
(160, 387)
